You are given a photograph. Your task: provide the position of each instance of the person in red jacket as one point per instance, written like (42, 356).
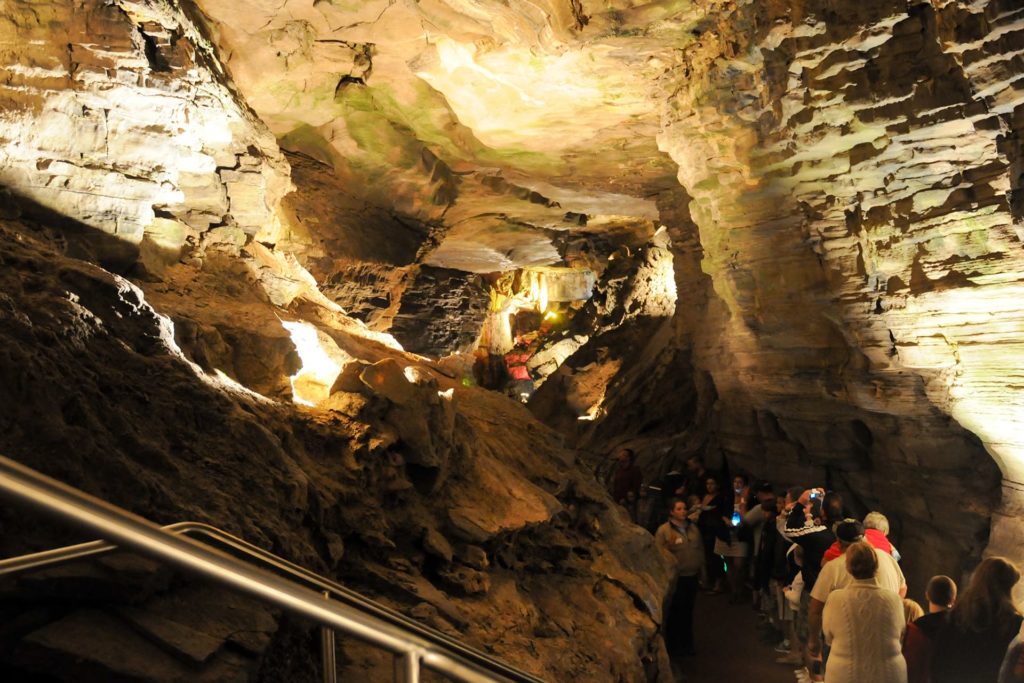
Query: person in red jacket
(876, 532)
(625, 481)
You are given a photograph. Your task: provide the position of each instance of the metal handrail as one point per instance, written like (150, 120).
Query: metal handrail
(91, 549)
(415, 644)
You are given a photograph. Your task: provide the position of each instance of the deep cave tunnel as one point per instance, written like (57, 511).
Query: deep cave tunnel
(384, 286)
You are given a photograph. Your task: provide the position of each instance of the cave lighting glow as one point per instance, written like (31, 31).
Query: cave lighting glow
(412, 374)
(965, 341)
(595, 410)
(92, 193)
(312, 383)
(548, 284)
(539, 290)
(999, 428)
(667, 283)
(498, 326)
(517, 95)
(665, 277)
(503, 309)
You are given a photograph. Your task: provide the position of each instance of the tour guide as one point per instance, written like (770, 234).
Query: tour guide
(682, 539)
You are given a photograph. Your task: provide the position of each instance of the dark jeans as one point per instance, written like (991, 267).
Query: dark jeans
(679, 616)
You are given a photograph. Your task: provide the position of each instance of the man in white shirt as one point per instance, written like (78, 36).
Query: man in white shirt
(834, 575)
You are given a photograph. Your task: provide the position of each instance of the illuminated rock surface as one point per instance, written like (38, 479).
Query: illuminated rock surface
(118, 115)
(854, 188)
(836, 295)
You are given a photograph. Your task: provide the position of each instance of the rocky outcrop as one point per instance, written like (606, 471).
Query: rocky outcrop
(332, 226)
(488, 120)
(133, 629)
(360, 253)
(626, 319)
(441, 312)
(449, 503)
(119, 116)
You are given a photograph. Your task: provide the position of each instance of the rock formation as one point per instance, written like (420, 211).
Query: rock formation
(804, 218)
(448, 502)
(855, 193)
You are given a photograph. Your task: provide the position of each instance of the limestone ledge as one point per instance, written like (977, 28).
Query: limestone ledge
(118, 115)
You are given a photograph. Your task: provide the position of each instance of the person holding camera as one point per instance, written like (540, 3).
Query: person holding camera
(802, 523)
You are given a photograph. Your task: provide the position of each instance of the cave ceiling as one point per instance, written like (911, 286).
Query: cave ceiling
(502, 121)
(845, 177)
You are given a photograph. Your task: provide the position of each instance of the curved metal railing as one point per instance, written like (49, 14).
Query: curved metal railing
(416, 645)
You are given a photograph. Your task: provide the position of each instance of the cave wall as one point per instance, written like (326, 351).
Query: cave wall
(126, 143)
(119, 116)
(361, 254)
(441, 312)
(844, 243)
(847, 250)
(854, 174)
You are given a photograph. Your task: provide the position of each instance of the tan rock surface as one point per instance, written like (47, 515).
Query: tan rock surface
(840, 185)
(119, 116)
(853, 188)
(97, 393)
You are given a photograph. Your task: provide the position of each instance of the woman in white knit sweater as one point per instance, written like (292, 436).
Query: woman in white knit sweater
(864, 623)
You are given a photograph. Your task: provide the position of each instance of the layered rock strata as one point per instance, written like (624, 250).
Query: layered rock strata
(853, 174)
(441, 312)
(119, 115)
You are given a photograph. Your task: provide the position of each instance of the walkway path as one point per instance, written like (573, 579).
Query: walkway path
(729, 647)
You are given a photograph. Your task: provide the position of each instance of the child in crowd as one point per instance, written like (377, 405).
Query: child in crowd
(791, 605)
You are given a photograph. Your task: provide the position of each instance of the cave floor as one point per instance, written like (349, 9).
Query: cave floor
(729, 647)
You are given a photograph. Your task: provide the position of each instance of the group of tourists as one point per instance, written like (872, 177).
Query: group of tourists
(827, 586)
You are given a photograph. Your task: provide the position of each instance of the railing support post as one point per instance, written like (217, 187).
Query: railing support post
(327, 654)
(407, 667)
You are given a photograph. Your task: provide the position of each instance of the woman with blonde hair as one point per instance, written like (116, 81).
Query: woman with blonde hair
(864, 623)
(912, 610)
(981, 625)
